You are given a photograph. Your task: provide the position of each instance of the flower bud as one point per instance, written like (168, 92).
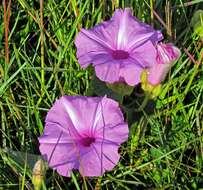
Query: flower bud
(166, 55)
(153, 76)
(38, 174)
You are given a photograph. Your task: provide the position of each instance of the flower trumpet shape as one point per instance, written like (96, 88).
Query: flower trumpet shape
(83, 133)
(119, 49)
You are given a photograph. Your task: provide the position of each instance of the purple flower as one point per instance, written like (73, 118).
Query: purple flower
(166, 55)
(119, 49)
(83, 133)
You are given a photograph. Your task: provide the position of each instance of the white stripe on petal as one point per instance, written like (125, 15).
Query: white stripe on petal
(72, 113)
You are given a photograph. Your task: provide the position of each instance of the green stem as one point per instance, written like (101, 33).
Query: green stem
(144, 103)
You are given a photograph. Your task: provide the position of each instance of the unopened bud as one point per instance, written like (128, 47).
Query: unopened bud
(38, 174)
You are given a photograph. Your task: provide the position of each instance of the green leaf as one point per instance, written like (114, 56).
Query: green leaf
(23, 158)
(197, 22)
(99, 88)
(121, 88)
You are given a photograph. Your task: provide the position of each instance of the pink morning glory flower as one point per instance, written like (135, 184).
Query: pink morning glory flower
(166, 55)
(83, 133)
(119, 49)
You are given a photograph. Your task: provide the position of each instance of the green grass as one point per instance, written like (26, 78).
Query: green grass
(165, 148)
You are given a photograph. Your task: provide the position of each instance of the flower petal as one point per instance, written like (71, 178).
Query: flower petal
(158, 72)
(101, 158)
(90, 164)
(59, 155)
(81, 105)
(145, 54)
(92, 42)
(116, 134)
(107, 113)
(53, 134)
(66, 169)
(108, 72)
(131, 31)
(130, 72)
(167, 53)
(62, 117)
(110, 156)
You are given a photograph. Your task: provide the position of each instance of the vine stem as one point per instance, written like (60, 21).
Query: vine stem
(144, 103)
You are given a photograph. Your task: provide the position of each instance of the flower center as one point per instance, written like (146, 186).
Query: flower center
(120, 54)
(87, 141)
